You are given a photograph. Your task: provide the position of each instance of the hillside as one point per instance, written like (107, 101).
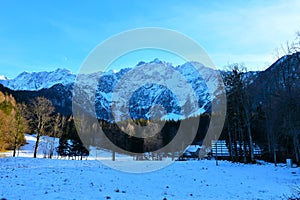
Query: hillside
(60, 96)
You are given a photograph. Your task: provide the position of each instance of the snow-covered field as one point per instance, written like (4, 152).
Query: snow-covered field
(43, 150)
(28, 178)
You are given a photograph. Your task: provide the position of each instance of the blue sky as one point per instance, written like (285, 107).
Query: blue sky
(45, 35)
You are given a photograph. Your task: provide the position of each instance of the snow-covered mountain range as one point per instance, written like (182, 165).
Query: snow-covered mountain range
(165, 88)
(39, 80)
(95, 91)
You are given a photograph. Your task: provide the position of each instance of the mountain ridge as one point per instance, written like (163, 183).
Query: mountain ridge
(35, 81)
(61, 83)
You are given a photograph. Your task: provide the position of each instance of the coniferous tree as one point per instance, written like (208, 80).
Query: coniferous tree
(12, 124)
(238, 119)
(20, 126)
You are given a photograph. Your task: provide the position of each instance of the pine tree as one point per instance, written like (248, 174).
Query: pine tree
(63, 148)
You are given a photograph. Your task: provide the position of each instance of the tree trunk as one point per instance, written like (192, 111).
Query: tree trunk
(216, 144)
(230, 142)
(113, 156)
(275, 156)
(15, 146)
(269, 138)
(251, 145)
(296, 147)
(235, 148)
(36, 144)
(16, 137)
(248, 123)
(14, 152)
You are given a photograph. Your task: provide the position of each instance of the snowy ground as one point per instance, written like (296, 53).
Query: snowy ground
(27, 150)
(28, 178)
(43, 150)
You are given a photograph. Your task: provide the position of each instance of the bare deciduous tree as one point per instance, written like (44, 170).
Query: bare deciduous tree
(58, 125)
(40, 115)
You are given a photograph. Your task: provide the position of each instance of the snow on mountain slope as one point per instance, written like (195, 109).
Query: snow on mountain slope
(3, 78)
(39, 80)
(180, 90)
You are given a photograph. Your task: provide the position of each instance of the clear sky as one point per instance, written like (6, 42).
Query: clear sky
(45, 35)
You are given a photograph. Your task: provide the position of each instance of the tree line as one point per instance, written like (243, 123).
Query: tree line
(38, 118)
(267, 111)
